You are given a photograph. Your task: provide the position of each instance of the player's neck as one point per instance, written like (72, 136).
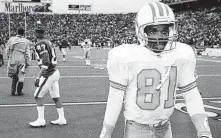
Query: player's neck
(39, 39)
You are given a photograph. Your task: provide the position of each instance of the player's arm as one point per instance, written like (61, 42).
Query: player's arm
(45, 64)
(82, 45)
(90, 45)
(4, 45)
(8, 47)
(69, 45)
(118, 84)
(27, 55)
(38, 59)
(193, 99)
(59, 45)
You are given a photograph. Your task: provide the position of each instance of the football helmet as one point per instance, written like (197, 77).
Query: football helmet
(39, 32)
(87, 41)
(153, 14)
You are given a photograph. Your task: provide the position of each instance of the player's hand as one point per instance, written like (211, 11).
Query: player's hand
(39, 66)
(106, 131)
(36, 82)
(104, 136)
(206, 136)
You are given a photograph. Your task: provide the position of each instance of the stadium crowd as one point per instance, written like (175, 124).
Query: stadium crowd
(171, 1)
(199, 27)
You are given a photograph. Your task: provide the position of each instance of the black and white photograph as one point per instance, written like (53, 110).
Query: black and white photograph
(110, 68)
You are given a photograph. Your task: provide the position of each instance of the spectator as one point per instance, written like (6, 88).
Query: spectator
(194, 26)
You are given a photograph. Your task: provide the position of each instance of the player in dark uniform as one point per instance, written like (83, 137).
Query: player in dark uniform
(47, 80)
(63, 48)
(2, 47)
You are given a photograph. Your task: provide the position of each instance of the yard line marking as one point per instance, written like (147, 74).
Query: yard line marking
(102, 66)
(52, 104)
(212, 75)
(93, 59)
(30, 77)
(79, 103)
(215, 102)
(217, 61)
(208, 65)
(206, 98)
(83, 60)
(105, 59)
(66, 66)
(77, 66)
(80, 60)
(84, 76)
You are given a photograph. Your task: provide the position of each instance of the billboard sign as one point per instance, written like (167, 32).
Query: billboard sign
(79, 7)
(16, 6)
(26, 0)
(73, 7)
(85, 7)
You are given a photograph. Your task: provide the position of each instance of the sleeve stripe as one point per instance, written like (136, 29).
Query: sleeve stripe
(188, 87)
(118, 86)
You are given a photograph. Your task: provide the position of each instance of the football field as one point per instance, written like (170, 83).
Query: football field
(84, 91)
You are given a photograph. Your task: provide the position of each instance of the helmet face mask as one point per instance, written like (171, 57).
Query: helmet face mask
(156, 31)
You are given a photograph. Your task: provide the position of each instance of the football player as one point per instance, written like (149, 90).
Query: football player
(87, 50)
(18, 52)
(2, 48)
(146, 78)
(47, 80)
(63, 48)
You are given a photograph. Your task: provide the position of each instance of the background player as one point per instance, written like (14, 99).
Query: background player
(63, 48)
(47, 80)
(146, 76)
(87, 50)
(2, 49)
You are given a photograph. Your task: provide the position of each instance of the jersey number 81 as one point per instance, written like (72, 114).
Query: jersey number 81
(148, 89)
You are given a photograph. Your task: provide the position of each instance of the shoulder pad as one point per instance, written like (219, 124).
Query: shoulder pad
(184, 51)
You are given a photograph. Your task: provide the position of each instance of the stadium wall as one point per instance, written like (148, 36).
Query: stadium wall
(77, 6)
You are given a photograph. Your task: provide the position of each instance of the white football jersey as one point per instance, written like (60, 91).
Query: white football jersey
(150, 80)
(87, 46)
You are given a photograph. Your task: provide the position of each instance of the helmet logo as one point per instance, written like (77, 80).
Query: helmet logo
(162, 19)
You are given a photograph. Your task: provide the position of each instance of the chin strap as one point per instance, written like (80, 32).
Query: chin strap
(163, 80)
